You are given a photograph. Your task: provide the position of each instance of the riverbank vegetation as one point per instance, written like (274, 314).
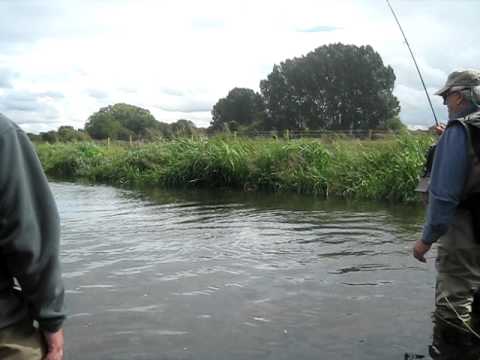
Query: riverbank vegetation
(381, 169)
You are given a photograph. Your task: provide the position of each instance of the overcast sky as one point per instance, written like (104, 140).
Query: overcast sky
(62, 60)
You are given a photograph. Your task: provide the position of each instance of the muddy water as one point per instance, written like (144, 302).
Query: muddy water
(224, 275)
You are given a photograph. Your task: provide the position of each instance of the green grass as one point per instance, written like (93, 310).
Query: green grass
(383, 169)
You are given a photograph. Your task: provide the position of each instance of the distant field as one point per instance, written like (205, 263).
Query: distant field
(382, 169)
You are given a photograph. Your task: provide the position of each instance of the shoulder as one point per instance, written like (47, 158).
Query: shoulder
(7, 125)
(473, 117)
(455, 129)
(454, 138)
(472, 121)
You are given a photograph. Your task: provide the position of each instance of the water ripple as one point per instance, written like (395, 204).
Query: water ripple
(217, 266)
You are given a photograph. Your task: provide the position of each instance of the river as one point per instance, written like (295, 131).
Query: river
(226, 275)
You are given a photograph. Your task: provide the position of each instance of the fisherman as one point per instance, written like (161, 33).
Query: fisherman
(31, 289)
(452, 210)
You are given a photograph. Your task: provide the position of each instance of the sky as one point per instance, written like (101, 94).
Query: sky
(63, 60)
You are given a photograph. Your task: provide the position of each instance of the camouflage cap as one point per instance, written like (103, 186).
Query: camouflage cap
(461, 78)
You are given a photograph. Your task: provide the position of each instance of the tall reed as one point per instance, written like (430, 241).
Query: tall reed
(385, 169)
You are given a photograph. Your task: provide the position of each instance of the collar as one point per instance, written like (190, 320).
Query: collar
(470, 110)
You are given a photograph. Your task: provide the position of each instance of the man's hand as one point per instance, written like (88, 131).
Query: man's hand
(439, 129)
(54, 345)
(420, 249)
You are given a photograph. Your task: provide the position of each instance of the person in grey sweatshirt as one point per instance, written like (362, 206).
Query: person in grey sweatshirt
(31, 288)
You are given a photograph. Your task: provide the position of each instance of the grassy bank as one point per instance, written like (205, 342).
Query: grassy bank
(385, 169)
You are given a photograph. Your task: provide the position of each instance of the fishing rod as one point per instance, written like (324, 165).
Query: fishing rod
(414, 61)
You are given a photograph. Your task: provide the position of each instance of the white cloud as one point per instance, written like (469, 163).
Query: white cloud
(178, 58)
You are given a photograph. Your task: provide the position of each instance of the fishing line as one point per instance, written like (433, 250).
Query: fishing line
(460, 318)
(451, 324)
(414, 61)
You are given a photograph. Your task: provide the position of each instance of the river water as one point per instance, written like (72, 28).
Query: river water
(227, 275)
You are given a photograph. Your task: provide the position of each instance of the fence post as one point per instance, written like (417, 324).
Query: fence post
(370, 134)
(287, 134)
(235, 135)
(108, 141)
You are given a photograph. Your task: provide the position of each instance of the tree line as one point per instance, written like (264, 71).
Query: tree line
(335, 87)
(120, 122)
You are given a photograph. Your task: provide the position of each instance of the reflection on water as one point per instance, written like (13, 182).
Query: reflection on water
(224, 275)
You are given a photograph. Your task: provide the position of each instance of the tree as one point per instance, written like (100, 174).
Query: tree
(121, 121)
(69, 134)
(66, 133)
(50, 136)
(163, 131)
(395, 124)
(34, 137)
(335, 87)
(241, 107)
(183, 127)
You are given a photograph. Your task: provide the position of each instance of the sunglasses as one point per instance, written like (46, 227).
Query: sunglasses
(446, 95)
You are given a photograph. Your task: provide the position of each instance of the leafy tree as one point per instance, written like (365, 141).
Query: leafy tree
(334, 87)
(395, 124)
(63, 134)
(66, 133)
(241, 107)
(183, 127)
(50, 136)
(69, 134)
(120, 121)
(163, 130)
(34, 137)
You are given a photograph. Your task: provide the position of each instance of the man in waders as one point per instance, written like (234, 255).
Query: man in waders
(452, 218)
(31, 289)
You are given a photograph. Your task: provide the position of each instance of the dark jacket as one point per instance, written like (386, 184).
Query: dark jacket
(29, 235)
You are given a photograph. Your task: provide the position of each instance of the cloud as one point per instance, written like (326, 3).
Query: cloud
(28, 21)
(173, 92)
(320, 28)
(27, 101)
(60, 61)
(200, 119)
(24, 21)
(97, 94)
(14, 101)
(415, 106)
(5, 83)
(6, 77)
(207, 23)
(28, 108)
(188, 106)
(45, 115)
(50, 94)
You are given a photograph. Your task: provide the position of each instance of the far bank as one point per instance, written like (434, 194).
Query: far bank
(378, 170)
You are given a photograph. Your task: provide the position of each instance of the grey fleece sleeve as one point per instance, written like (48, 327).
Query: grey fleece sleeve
(30, 229)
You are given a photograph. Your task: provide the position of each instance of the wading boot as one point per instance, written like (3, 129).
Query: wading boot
(451, 343)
